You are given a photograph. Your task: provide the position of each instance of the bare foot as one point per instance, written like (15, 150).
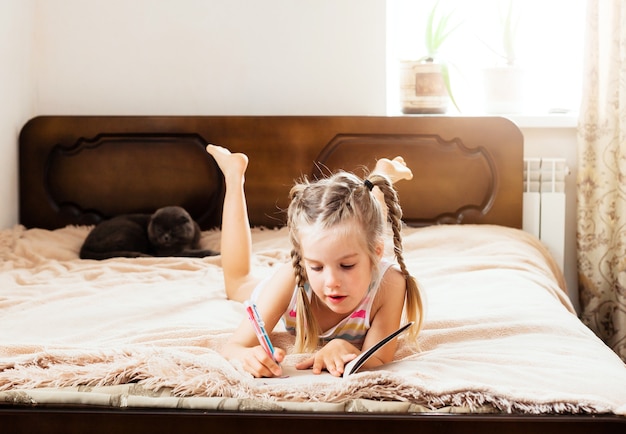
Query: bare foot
(231, 164)
(395, 169)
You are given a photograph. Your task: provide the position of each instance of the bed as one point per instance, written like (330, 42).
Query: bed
(132, 345)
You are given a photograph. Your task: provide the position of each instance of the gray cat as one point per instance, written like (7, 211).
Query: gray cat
(170, 231)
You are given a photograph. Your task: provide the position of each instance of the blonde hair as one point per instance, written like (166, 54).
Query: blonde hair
(328, 202)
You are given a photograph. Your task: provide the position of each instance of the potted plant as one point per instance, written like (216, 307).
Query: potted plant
(425, 83)
(504, 82)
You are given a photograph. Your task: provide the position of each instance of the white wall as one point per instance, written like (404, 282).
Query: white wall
(16, 96)
(211, 57)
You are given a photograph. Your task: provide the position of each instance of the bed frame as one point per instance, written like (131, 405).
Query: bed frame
(82, 169)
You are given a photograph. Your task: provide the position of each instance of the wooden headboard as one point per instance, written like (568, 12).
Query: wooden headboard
(81, 169)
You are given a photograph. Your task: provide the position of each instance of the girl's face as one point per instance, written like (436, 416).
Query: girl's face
(338, 265)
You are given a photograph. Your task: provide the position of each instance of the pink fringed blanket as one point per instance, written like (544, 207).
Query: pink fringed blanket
(500, 333)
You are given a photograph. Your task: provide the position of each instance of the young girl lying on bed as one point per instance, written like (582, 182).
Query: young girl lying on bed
(338, 281)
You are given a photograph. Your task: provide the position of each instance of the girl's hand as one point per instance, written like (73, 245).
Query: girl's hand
(257, 362)
(333, 357)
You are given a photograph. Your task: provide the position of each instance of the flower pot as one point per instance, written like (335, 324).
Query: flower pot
(504, 89)
(422, 88)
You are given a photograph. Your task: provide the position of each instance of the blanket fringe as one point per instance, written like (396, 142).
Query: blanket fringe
(210, 375)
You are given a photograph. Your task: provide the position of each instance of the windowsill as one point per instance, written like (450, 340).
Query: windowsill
(556, 120)
(551, 120)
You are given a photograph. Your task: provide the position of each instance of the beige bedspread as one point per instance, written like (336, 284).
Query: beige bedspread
(500, 333)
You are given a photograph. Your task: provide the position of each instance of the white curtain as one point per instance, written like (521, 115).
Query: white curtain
(601, 189)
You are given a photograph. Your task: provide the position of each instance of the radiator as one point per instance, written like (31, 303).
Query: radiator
(544, 203)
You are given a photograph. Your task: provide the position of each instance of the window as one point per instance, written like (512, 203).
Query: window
(549, 46)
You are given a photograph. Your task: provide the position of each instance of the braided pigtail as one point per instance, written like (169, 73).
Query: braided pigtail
(413, 299)
(307, 330)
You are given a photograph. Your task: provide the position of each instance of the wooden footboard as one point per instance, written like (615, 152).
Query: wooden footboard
(151, 421)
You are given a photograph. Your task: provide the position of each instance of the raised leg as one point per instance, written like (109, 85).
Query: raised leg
(395, 170)
(236, 245)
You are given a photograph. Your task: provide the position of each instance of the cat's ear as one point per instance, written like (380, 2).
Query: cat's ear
(183, 219)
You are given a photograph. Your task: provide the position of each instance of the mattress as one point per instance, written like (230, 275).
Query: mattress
(500, 333)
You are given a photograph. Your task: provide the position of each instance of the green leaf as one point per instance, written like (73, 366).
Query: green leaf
(438, 29)
(446, 79)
